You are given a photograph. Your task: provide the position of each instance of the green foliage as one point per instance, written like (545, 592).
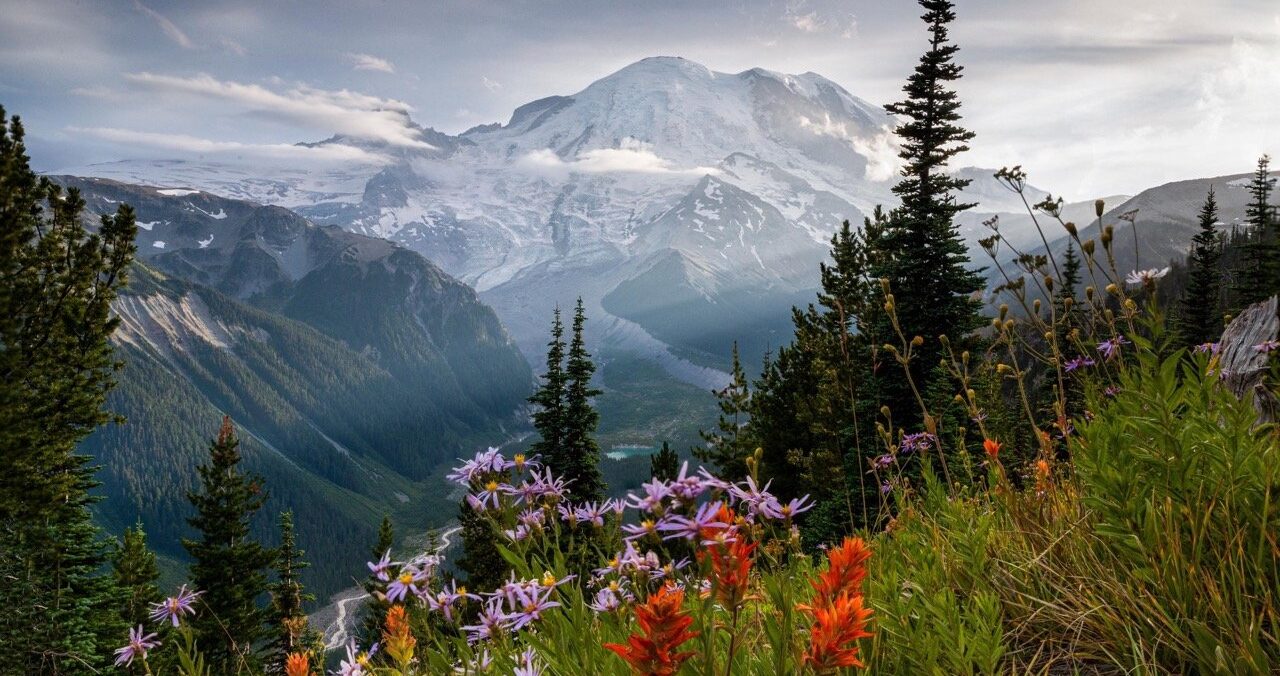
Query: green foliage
(56, 367)
(287, 626)
(376, 608)
(136, 573)
(581, 452)
(1259, 274)
(549, 416)
(228, 565)
(729, 445)
(664, 464)
(1200, 319)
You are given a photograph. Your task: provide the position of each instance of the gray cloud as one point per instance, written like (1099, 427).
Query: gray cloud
(370, 62)
(170, 29)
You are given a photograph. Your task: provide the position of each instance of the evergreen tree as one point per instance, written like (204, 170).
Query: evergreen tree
(228, 565)
(730, 444)
(287, 618)
(549, 417)
(375, 608)
(1067, 290)
(921, 253)
(1200, 320)
(665, 464)
(1260, 275)
(56, 366)
(581, 451)
(482, 562)
(135, 571)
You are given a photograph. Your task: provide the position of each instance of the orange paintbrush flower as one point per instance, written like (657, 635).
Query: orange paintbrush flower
(992, 447)
(397, 640)
(833, 638)
(297, 664)
(847, 567)
(839, 618)
(663, 628)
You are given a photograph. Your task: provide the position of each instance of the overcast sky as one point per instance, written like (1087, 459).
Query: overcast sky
(1092, 97)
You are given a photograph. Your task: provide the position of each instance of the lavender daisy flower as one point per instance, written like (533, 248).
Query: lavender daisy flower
(1267, 346)
(592, 513)
(405, 583)
(917, 441)
(1077, 363)
(528, 664)
(1144, 277)
(775, 510)
(885, 488)
(711, 481)
(174, 607)
(751, 495)
(520, 463)
(139, 644)
(635, 531)
(445, 599)
(654, 493)
(689, 528)
(490, 622)
(1110, 348)
(1207, 348)
(1111, 391)
(880, 462)
(518, 534)
(606, 601)
(382, 569)
(356, 662)
(528, 606)
(489, 493)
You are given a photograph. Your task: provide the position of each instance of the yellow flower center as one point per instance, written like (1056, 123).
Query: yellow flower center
(406, 578)
(491, 486)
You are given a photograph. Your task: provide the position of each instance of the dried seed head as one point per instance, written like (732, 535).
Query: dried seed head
(1036, 305)
(917, 341)
(1099, 207)
(1087, 247)
(1071, 229)
(1112, 289)
(1088, 292)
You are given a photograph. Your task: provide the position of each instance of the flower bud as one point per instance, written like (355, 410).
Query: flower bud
(1088, 292)
(917, 341)
(971, 394)
(1087, 247)
(1036, 305)
(884, 411)
(884, 285)
(964, 357)
(1048, 282)
(1004, 310)
(1112, 289)
(1099, 207)
(1008, 325)
(1071, 229)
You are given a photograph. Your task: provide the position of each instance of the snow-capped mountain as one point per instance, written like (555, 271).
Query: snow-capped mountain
(679, 202)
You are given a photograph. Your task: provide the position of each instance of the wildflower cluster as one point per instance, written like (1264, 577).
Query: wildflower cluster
(167, 613)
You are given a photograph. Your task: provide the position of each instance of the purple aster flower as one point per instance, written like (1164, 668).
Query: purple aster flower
(917, 441)
(1110, 348)
(528, 664)
(1111, 391)
(485, 462)
(635, 531)
(885, 488)
(751, 495)
(139, 644)
(533, 518)
(356, 662)
(1207, 348)
(445, 599)
(405, 583)
(529, 604)
(687, 488)
(1267, 346)
(616, 506)
(592, 513)
(711, 481)
(548, 486)
(606, 601)
(490, 622)
(981, 416)
(174, 607)
(382, 569)
(654, 493)
(1077, 363)
(490, 492)
(775, 510)
(520, 463)
(518, 534)
(882, 461)
(690, 527)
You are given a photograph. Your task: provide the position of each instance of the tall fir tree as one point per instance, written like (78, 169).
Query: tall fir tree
(730, 444)
(1200, 315)
(581, 451)
(665, 464)
(135, 571)
(1259, 276)
(483, 564)
(56, 366)
(1065, 295)
(375, 607)
(288, 629)
(228, 564)
(921, 252)
(549, 416)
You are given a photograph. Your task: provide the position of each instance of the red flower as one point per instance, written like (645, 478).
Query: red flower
(992, 447)
(847, 567)
(833, 638)
(663, 627)
(731, 560)
(839, 618)
(297, 664)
